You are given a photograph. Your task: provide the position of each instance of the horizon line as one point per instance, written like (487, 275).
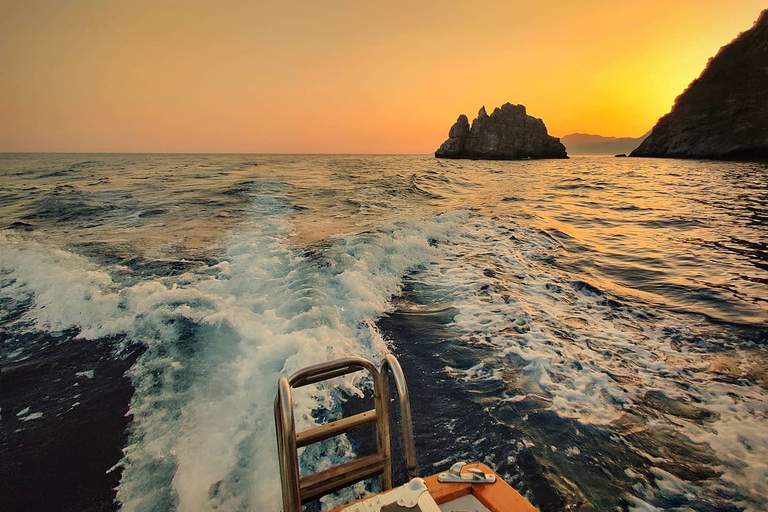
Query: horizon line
(190, 153)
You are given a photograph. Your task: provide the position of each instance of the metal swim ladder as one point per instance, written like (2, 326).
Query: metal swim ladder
(299, 490)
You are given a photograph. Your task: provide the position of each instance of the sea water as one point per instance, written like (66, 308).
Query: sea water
(595, 329)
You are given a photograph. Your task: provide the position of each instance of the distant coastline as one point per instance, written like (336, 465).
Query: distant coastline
(588, 144)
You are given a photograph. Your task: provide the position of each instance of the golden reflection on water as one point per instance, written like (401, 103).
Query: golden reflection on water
(636, 226)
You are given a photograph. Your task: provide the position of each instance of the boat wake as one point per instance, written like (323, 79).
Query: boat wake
(216, 340)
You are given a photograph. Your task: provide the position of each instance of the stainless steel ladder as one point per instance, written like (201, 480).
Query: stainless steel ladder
(299, 490)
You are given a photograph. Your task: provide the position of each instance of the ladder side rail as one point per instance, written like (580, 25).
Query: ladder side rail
(383, 436)
(286, 447)
(391, 365)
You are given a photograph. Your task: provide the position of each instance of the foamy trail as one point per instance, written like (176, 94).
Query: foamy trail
(217, 339)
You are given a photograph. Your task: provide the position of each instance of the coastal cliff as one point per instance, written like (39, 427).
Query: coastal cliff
(723, 114)
(509, 133)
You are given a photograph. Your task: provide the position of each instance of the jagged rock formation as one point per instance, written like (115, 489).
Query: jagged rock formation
(507, 134)
(586, 144)
(723, 114)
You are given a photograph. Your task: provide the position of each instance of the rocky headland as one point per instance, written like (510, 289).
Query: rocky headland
(509, 133)
(723, 114)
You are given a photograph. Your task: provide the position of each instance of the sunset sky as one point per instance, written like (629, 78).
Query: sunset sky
(340, 76)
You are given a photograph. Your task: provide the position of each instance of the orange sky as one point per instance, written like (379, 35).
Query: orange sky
(340, 76)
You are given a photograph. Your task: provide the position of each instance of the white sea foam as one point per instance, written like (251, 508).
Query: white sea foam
(15, 353)
(31, 416)
(68, 291)
(218, 339)
(739, 438)
(639, 505)
(26, 415)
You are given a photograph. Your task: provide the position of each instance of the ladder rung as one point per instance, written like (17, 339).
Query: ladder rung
(321, 375)
(334, 428)
(323, 482)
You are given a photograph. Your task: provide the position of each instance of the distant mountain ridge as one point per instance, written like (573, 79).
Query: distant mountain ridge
(723, 114)
(587, 144)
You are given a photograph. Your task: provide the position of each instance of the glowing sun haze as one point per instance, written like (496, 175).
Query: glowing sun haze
(340, 76)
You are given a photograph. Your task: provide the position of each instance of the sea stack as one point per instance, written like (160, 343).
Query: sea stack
(509, 133)
(723, 114)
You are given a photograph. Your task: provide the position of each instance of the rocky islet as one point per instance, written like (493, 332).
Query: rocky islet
(508, 133)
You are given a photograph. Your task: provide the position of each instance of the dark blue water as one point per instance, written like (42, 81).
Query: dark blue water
(595, 329)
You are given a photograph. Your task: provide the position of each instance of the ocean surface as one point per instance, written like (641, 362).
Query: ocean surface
(596, 329)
